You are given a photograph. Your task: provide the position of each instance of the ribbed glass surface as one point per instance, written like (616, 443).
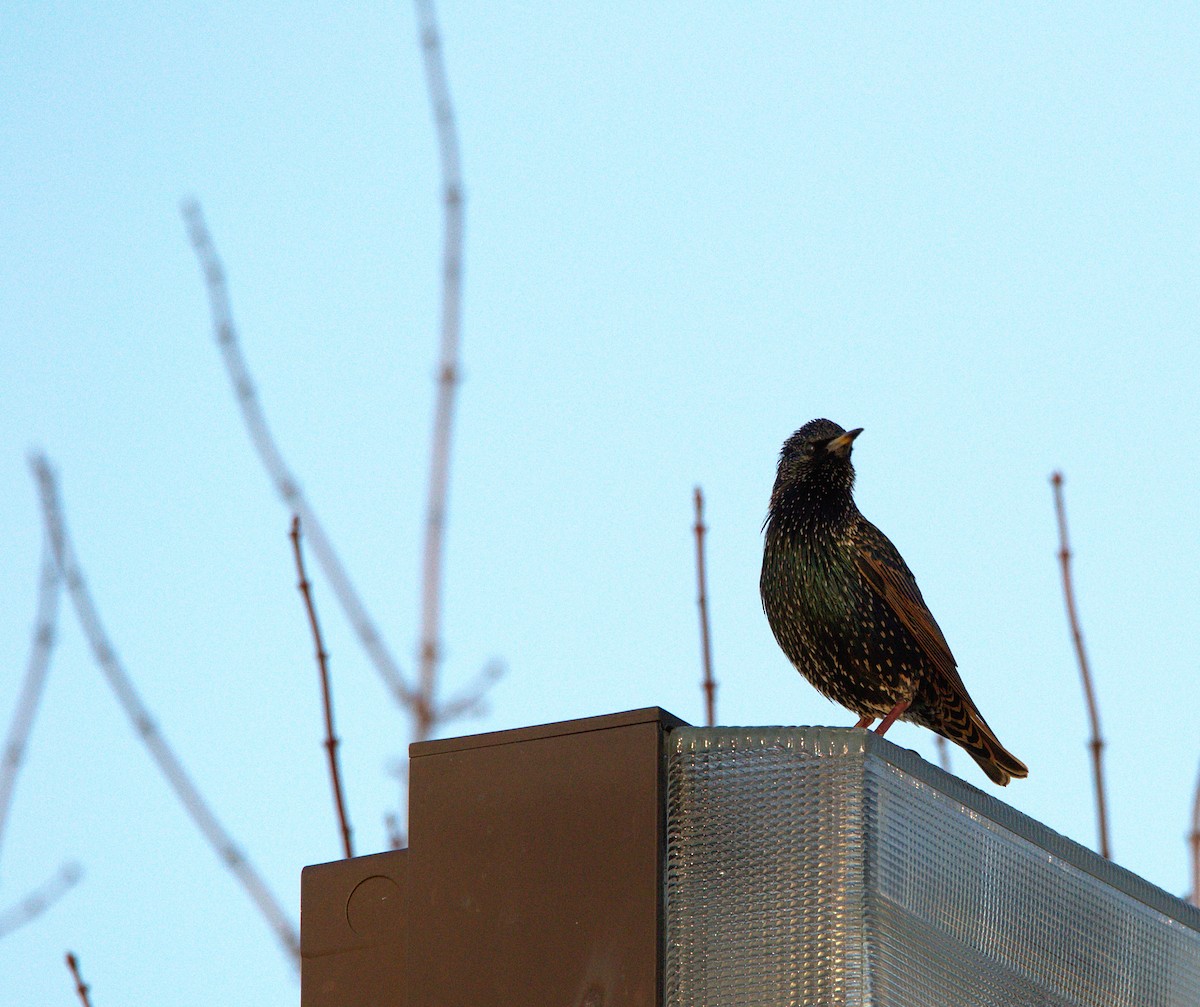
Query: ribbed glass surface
(823, 867)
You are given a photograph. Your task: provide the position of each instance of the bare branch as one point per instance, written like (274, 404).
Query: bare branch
(448, 368)
(285, 482)
(395, 834)
(80, 986)
(709, 684)
(1096, 744)
(122, 687)
(471, 700)
(34, 683)
(40, 899)
(331, 739)
(1194, 843)
(943, 750)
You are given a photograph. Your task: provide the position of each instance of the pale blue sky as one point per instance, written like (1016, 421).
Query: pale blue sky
(972, 231)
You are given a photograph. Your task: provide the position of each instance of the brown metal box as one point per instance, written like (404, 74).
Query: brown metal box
(533, 877)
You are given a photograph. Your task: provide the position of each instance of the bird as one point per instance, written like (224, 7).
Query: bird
(846, 610)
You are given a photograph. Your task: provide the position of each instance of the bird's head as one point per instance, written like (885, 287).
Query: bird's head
(814, 466)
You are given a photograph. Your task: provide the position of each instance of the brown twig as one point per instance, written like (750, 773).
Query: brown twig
(709, 684)
(1194, 843)
(395, 834)
(285, 482)
(420, 700)
(448, 368)
(1096, 744)
(470, 701)
(417, 700)
(80, 986)
(471, 698)
(331, 738)
(943, 751)
(40, 899)
(34, 683)
(122, 687)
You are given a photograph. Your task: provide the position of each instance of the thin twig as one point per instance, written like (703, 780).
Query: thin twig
(1096, 744)
(943, 750)
(418, 700)
(40, 899)
(331, 738)
(1194, 843)
(395, 834)
(448, 368)
(122, 687)
(471, 700)
(709, 684)
(80, 986)
(34, 683)
(285, 482)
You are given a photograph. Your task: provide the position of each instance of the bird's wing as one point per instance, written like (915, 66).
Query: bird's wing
(889, 577)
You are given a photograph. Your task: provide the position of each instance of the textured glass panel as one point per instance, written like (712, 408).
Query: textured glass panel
(815, 866)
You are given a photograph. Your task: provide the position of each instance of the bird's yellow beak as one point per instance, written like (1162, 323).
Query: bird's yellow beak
(840, 445)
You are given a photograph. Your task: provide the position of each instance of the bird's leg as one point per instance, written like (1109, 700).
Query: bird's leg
(865, 721)
(890, 719)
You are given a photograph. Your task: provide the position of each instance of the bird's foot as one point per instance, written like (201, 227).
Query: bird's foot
(865, 721)
(890, 719)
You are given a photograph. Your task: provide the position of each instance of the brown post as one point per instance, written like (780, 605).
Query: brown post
(534, 876)
(352, 931)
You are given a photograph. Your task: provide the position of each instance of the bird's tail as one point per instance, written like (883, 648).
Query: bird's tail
(984, 747)
(949, 711)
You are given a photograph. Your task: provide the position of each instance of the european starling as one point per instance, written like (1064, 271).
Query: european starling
(848, 613)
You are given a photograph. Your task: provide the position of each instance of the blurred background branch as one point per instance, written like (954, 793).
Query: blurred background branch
(427, 715)
(143, 724)
(285, 482)
(40, 899)
(708, 684)
(1194, 845)
(943, 752)
(33, 684)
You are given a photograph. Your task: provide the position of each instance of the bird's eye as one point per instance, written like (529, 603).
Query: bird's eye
(803, 451)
